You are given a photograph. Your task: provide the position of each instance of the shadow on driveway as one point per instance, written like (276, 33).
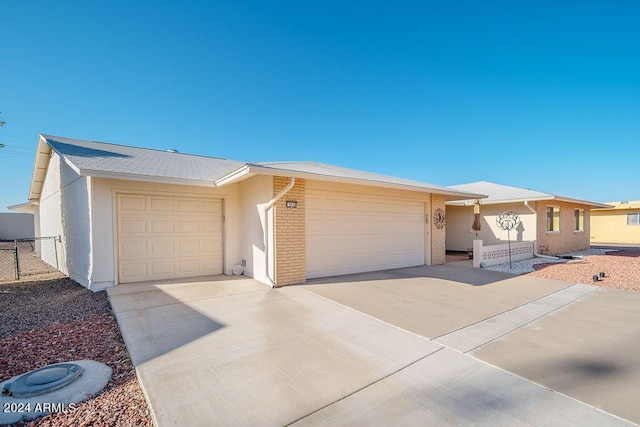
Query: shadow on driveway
(160, 316)
(588, 350)
(454, 273)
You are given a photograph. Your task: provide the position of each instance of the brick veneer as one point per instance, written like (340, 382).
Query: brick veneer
(289, 234)
(438, 252)
(567, 240)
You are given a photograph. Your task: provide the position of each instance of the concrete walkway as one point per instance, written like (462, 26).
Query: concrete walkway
(479, 334)
(230, 351)
(589, 350)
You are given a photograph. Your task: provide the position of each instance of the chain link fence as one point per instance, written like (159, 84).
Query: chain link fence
(28, 257)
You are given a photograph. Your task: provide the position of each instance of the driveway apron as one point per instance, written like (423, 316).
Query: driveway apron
(231, 351)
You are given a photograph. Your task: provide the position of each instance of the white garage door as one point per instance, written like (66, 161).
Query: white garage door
(348, 233)
(163, 237)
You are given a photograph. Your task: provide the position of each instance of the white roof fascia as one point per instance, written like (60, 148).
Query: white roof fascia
(532, 199)
(250, 169)
(27, 207)
(144, 178)
(236, 176)
(498, 202)
(43, 155)
(581, 202)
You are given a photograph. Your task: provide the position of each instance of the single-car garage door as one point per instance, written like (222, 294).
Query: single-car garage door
(162, 237)
(351, 233)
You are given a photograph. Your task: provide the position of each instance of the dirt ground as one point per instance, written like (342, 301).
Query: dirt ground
(621, 270)
(57, 320)
(31, 265)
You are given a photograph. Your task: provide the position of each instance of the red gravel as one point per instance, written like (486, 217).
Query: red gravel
(58, 320)
(621, 268)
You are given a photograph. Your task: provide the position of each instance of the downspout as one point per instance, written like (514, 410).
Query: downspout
(268, 206)
(535, 244)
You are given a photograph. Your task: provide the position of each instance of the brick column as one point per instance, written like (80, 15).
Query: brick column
(438, 236)
(290, 264)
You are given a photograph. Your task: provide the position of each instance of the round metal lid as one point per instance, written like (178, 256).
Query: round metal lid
(43, 380)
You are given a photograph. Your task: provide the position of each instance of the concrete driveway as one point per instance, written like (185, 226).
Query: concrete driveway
(230, 351)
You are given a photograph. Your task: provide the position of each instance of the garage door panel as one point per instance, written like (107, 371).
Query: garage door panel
(161, 268)
(164, 225)
(209, 226)
(134, 271)
(133, 248)
(189, 266)
(159, 248)
(187, 205)
(161, 204)
(132, 202)
(350, 233)
(211, 246)
(161, 237)
(191, 225)
(189, 247)
(132, 225)
(211, 206)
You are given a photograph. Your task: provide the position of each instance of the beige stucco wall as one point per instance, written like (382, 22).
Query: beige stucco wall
(103, 233)
(460, 236)
(255, 193)
(289, 234)
(64, 212)
(566, 240)
(610, 226)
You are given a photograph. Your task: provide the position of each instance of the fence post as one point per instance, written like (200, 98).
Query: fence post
(477, 252)
(55, 250)
(15, 257)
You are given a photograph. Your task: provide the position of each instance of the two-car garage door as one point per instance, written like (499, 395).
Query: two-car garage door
(351, 233)
(161, 237)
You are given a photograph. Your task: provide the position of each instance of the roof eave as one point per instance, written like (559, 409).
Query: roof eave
(40, 166)
(145, 178)
(237, 175)
(498, 202)
(27, 207)
(250, 170)
(532, 199)
(595, 205)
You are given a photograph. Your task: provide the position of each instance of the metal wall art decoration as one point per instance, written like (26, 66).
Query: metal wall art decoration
(508, 221)
(439, 218)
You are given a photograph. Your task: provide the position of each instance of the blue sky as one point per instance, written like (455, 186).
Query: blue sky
(542, 95)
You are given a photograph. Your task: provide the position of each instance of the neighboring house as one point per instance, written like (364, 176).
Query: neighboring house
(127, 214)
(16, 226)
(557, 224)
(617, 224)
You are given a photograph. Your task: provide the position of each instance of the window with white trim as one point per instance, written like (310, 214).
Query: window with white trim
(553, 219)
(578, 224)
(633, 218)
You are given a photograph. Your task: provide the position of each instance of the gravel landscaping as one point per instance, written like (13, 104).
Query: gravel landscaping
(57, 320)
(621, 268)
